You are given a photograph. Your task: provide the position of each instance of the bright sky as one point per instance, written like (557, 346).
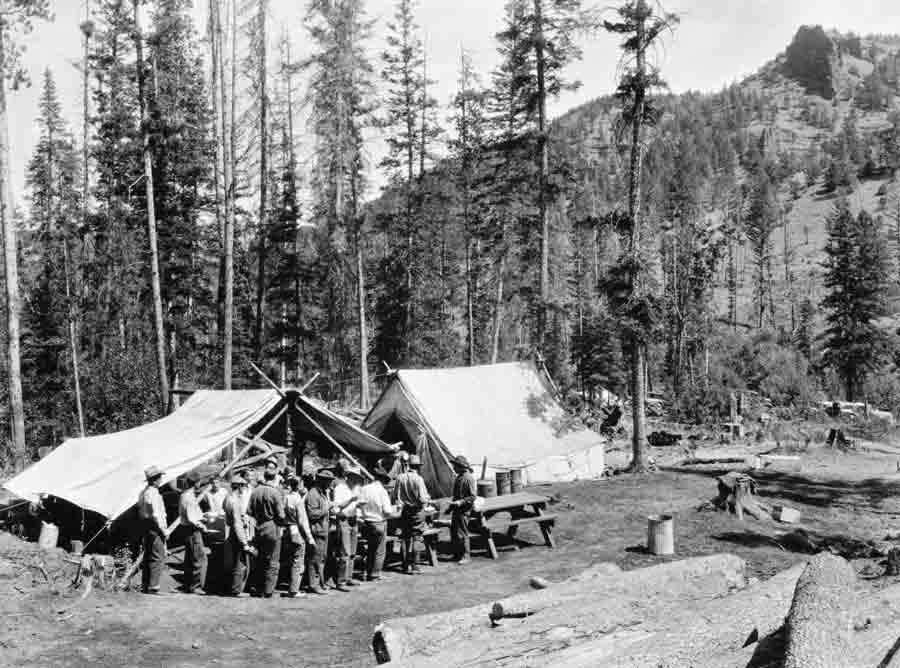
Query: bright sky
(718, 41)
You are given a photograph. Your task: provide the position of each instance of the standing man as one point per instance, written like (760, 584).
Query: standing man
(152, 514)
(298, 534)
(464, 492)
(238, 541)
(412, 496)
(375, 508)
(267, 510)
(318, 511)
(344, 501)
(191, 518)
(215, 496)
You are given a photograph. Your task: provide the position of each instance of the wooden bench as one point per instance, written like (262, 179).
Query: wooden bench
(429, 539)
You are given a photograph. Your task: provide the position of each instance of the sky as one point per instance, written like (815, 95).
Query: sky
(717, 42)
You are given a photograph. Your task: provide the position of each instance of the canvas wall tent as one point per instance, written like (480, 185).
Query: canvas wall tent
(105, 473)
(505, 412)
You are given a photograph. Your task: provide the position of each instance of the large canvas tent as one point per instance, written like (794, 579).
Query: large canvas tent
(105, 473)
(507, 412)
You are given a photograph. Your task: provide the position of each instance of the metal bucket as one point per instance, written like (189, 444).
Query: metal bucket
(660, 534)
(486, 488)
(49, 536)
(503, 482)
(515, 480)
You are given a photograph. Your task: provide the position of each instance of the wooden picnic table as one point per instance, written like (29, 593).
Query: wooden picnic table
(521, 507)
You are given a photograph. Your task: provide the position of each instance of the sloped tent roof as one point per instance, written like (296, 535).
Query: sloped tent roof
(105, 473)
(506, 412)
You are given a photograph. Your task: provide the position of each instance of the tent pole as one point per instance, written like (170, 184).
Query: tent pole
(253, 442)
(333, 442)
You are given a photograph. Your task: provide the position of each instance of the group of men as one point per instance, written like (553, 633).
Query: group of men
(314, 522)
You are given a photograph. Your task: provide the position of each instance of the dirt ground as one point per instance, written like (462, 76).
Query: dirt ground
(852, 497)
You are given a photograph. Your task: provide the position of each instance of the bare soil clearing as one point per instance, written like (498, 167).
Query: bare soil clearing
(852, 497)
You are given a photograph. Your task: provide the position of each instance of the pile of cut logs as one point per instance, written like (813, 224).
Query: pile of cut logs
(701, 612)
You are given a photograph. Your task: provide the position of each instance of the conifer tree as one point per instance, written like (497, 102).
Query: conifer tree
(856, 278)
(641, 28)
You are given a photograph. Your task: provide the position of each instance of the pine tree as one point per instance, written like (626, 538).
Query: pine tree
(760, 223)
(641, 28)
(856, 278)
(340, 95)
(53, 182)
(15, 16)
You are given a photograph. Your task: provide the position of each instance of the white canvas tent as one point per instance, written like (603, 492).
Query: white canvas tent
(505, 412)
(105, 473)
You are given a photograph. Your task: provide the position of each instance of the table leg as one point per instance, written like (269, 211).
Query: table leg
(490, 542)
(546, 528)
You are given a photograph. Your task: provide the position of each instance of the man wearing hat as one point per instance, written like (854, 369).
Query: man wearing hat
(318, 511)
(237, 526)
(464, 492)
(375, 507)
(412, 496)
(191, 517)
(152, 514)
(344, 500)
(267, 510)
(297, 535)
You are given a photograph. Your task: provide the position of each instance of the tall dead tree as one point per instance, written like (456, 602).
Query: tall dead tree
(159, 325)
(259, 39)
(12, 15)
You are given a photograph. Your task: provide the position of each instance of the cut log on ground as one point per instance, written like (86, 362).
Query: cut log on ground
(405, 636)
(819, 624)
(557, 616)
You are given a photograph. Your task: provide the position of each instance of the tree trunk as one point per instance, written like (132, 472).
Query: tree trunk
(263, 188)
(820, 622)
(544, 168)
(73, 336)
(638, 437)
(573, 612)
(364, 399)
(151, 220)
(218, 123)
(498, 312)
(229, 147)
(10, 257)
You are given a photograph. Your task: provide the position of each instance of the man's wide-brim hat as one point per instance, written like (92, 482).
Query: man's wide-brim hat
(152, 473)
(462, 462)
(239, 479)
(353, 469)
(324, 474)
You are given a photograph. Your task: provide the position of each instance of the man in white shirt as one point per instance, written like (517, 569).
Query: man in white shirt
(191, 517)
(344, 505)
(238, 526)
(375, 508)
(297, 535)
(215, 496)
(152, 514)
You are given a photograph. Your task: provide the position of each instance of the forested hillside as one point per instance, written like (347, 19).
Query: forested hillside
(179, 235)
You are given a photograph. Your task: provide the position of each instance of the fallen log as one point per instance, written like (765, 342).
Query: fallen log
(556, 616)
(406, 636)
(671, 630)
(716, 572)
(820, 621)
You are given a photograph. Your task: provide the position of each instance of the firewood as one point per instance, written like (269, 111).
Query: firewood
(820, 621)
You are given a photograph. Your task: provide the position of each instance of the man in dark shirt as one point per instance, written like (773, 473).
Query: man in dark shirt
(267, 509)
(463, 498)
(318, 510)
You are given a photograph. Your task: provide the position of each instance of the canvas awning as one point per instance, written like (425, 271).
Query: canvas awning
(106, 473)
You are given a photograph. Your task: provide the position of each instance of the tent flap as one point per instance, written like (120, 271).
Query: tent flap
(105, 473)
